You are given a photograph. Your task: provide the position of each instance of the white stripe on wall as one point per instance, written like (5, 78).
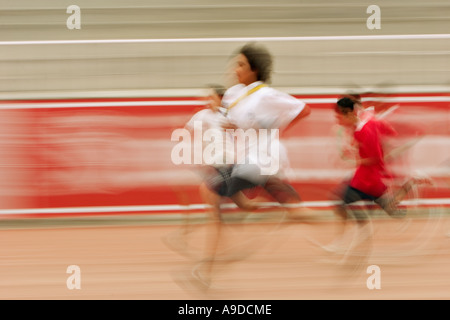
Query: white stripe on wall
(175, 103)
(266, 39)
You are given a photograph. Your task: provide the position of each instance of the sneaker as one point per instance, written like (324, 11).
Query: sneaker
(178, 244)
(335, 247)
(201, 282)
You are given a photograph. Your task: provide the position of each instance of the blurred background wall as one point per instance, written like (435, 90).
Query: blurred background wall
(34, 69)
(85, 153)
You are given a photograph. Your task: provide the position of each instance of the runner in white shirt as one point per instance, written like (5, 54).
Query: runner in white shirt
(216, 168)
(211, 118)
(253, 106)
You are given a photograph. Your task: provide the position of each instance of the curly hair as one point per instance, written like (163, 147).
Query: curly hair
(260, 60)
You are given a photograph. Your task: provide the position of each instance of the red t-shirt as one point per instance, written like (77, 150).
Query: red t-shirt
(370, 178)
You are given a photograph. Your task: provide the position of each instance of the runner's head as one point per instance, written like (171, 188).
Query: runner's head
(356, 97)
(254, 63)
(346, 111)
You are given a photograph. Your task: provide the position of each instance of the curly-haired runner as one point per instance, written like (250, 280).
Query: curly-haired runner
(260, 114)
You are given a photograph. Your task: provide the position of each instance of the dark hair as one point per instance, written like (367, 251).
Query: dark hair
(260, 60)
(217, 88)
(354, 96)
(345, 105)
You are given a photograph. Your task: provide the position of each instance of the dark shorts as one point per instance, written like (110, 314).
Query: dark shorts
(352, 195)
(226, 186)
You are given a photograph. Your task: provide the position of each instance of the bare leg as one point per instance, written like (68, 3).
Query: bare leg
(214, 234)
(178, 240)
(341, 214)
(245, 203)
(390, 203)
(287, 196)
(344, 212)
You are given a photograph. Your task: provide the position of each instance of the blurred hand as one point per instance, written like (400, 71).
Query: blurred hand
(228, 125)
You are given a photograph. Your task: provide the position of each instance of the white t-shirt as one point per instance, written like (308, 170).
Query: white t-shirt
(206, 126)
(263, 113)
(266, 108)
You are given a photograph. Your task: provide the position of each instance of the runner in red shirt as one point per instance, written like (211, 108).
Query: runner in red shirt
(371, 172)
(369, 179)
(369, 182)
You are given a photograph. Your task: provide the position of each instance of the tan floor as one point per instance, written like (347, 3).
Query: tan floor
(133, 262)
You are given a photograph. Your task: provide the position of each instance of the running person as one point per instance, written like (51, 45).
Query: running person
(216, 166)
(215, 171)
(253, 105)
(369, 179)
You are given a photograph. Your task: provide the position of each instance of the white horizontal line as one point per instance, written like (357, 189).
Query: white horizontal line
(398, 52)
(385, 99)
(39, 105)
(171, 208)
(115, 209)
(410, 99)
(198, 92)
(266, 39)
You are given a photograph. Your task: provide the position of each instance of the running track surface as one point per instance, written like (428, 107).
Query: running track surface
(129, 260)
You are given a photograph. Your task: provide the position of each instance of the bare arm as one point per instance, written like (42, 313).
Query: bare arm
(303, 114)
